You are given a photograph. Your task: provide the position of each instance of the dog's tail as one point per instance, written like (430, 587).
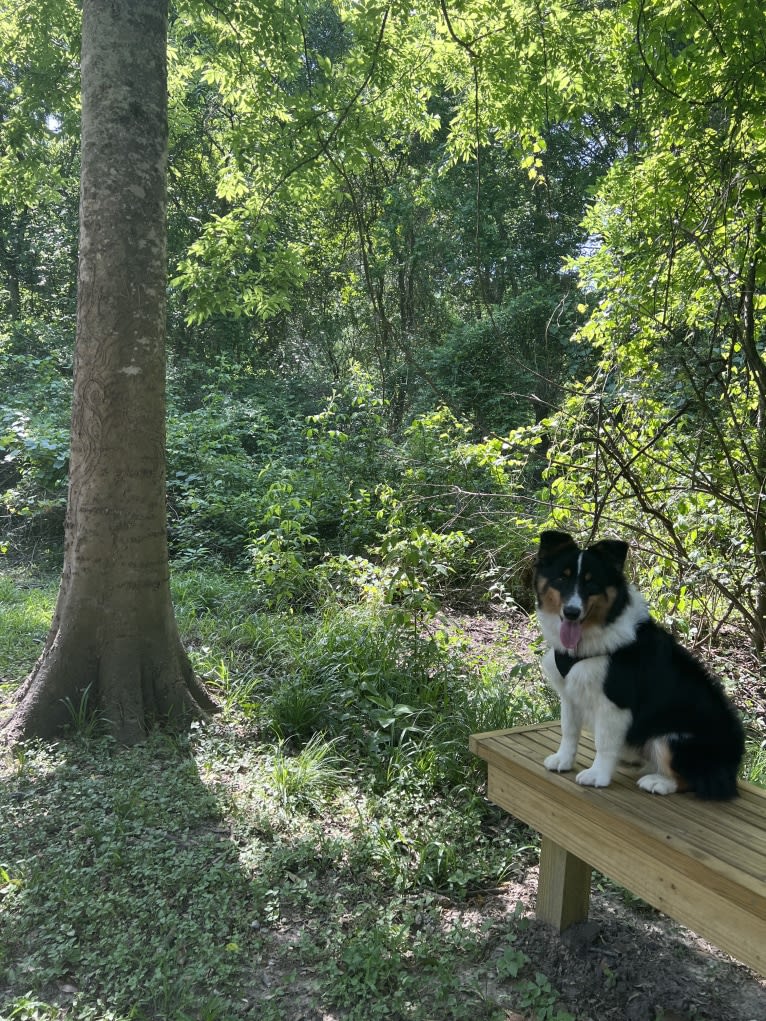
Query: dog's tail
(708, 768)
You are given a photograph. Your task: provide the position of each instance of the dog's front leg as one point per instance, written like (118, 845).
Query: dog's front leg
(571, 719)
(611, 727)
(571, 726)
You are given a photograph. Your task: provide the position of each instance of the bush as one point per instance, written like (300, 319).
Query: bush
(34, 444)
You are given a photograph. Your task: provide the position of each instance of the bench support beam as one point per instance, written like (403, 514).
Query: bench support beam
(563, 890)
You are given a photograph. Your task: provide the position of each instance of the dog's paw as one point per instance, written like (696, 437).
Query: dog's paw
(656, 783)
(593, 778)
(558, 763)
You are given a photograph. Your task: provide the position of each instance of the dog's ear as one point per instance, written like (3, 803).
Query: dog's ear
(612, 550)
(553, 543)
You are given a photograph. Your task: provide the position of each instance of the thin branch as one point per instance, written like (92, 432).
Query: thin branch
(324, 143)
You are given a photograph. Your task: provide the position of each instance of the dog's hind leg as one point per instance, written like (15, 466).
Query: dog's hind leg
(662, 780)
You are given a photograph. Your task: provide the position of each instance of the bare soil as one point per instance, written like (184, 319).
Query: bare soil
(630, 963)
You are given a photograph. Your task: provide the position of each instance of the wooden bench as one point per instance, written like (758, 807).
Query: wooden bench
(702, 863)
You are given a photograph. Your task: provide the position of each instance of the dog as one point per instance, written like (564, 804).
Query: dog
(627, 679)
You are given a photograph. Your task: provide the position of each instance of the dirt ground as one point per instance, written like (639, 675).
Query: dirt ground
(630, 963)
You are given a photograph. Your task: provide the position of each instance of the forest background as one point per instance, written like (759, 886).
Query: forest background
(442, 275)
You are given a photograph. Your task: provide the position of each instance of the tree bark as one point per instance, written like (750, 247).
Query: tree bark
(114, 639)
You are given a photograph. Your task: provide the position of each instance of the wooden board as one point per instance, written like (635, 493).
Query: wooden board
(702, 863)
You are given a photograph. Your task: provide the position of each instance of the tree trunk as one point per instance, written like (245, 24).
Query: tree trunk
(114, 641)
(759, 535)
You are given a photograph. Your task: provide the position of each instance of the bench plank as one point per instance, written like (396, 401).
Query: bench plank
(702, 863)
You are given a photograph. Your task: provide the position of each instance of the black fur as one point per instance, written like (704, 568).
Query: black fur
(670, 692)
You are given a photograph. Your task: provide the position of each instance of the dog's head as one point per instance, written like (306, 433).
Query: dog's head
(582, 589)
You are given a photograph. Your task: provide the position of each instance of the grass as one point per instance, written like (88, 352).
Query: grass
(755, 764)
(26, 610)
(310, 849)
(318, 850)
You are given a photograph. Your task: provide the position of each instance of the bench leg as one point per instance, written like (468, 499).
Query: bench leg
(563, 891)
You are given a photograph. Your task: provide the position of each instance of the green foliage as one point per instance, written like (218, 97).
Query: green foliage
(36, 456)
(34, 432)
(38, 46)
(499, 371)
(225, 422)
(621, 464)
(478, 490)
(84, 719)
(755, 765)
(309, 778)
(666, 439)
(281, 555)
(387, 965)
(339, 510)
(26, 609)
(364, 676)
(386, 235)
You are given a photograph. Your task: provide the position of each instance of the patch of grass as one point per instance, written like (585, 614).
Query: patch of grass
(121, 886)
(273, 858)
(26, 611)
(384, 963)
(308, 778)
(391, 696)
(754, 769)
(165, 881)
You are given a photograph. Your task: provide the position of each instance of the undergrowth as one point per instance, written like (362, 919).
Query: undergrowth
(310, 848)
(320, 848)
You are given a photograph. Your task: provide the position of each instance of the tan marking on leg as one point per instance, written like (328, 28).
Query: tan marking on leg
(661, 754)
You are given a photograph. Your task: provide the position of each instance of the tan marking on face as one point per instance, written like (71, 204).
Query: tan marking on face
(597, 608)
(549, 598)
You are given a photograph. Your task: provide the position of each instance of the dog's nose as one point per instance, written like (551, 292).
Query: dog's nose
(572, 612)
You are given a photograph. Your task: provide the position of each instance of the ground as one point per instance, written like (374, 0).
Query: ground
(237, 900)
(628, 961)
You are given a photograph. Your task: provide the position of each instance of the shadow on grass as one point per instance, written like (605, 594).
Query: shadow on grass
(131, 888)
(121, 891)
(153, 883)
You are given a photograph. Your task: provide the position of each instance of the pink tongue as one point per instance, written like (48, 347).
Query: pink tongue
(570, 633)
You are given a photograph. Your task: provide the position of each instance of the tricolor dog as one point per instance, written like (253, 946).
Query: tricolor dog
(627, 680)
